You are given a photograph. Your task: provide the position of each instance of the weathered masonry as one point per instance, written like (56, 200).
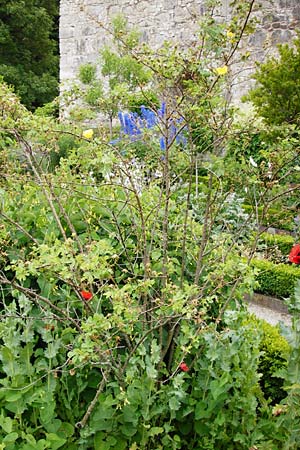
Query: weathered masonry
(81, 37)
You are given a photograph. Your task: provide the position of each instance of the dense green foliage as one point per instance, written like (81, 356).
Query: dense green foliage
(29, 49)
(276, 279)
(276, 94)
(274, 354)
(271, 243)
(124, 348)
(123, 270)
(290, 419)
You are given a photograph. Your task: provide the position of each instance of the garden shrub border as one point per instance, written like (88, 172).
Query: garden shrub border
(284, 242)
(275, 351)
(275, 279)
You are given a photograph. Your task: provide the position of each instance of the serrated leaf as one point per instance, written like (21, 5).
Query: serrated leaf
(155, 431)
(52, 349)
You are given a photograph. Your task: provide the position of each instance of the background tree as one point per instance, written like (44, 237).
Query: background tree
(29, 49)
(276, 94)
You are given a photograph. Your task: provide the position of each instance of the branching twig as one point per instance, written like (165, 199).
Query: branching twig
(93, 403)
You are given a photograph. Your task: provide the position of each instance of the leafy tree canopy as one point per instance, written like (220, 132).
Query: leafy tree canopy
(277, 92)
(29, 49)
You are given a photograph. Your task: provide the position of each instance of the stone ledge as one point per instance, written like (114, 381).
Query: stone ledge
(270, 309)
(267, 302)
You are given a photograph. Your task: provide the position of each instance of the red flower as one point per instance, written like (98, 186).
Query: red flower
(86, 295)
(184, 367)
(294, 255)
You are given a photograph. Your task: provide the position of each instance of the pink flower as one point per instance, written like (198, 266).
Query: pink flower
(184, 367)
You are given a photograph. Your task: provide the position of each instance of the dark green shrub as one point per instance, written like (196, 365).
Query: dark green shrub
(283, 242)
(276, 279)
(29, 58)
(273, 359)
(276, 92)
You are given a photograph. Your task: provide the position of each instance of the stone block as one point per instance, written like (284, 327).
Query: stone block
(81, 35)
(284, 4)
(66, 32)
(281, 36)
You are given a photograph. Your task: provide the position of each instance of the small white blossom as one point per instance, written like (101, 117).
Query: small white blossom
(252, 162)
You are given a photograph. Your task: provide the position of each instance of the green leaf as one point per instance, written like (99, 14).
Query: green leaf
(102, 442)
(52, 349)
(128, 429)
(130, 414)
(174, 403)
(66, 430)
(10, 438)
(6, 423)
(9, 363)
(155, 431)
(55, 440)
(47, 412)
(151, 372)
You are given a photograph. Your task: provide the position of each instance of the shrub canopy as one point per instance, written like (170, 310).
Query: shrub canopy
(29, 49)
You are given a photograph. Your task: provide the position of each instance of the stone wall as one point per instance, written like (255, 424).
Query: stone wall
(81, 36)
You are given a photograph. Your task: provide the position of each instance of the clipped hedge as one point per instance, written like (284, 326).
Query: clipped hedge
(283, 242)
(277, 218)
(277, 280)
(273, 360)
(274, 355)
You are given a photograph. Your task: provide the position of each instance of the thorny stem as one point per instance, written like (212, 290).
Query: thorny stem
(149, 331)
(242, 31)
(222, 310)
(122, 241)
(166, 178)
(173, 335)
(143, 229)
(235, 47)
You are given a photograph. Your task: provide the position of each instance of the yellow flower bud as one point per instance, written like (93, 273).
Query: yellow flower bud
(221, 70)
(230, 34)
(88, 134)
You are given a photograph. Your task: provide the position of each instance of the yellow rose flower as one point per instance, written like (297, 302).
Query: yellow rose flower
(221, 70)
(88, 134)
(230, 34)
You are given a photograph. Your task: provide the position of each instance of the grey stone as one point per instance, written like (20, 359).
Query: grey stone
(281, 36)
(270, 309)
(84, 24)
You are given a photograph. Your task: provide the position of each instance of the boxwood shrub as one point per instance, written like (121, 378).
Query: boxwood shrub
(283, 242)
(277, 280)
(273, 359)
